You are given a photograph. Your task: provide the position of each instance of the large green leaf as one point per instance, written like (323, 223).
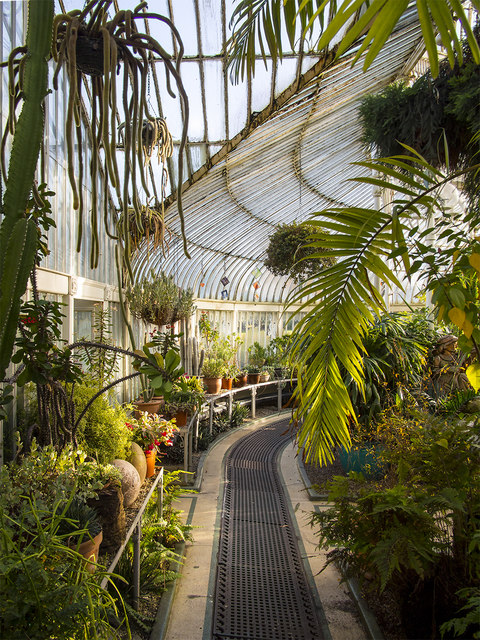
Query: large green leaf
(258, 21)
(340, 302)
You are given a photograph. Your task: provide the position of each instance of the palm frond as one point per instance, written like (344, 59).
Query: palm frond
(259, 22)
(340, 302)
(257, 27)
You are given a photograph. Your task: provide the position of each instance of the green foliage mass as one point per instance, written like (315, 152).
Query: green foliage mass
(421, 115)
(45, 591)
(419, 527)
(288, 253)
(102, 432)
(159, 300)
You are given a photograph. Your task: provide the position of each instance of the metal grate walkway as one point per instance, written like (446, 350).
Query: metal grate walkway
(262, 592)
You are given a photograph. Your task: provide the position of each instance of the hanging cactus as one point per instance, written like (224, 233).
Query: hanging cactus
(18, 234)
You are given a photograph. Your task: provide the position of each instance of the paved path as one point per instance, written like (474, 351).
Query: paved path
(191, 616)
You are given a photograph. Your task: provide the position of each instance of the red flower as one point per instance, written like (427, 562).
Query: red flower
(157, 442)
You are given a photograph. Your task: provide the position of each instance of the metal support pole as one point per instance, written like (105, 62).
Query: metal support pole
(230, 405)
(210, 417)
(160, 495)
(253, 408)
(279, 389)
(137, 536)
(185, 449)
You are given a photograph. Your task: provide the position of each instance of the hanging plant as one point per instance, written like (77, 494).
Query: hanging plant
(289, 255)
(422, 115)
(95, 51)
(151, 229)
(159, 300)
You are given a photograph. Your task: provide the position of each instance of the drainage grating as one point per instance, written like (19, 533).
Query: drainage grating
(262, 592)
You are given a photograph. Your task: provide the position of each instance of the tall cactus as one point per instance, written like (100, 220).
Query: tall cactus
(18, 234)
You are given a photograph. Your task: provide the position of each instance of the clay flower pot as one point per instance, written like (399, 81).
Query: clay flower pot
(213, 385)
(89, 549)
(253, 378)
(150, 456)
(152, 406)
(227, 383)
(181, 418)
(241, 381)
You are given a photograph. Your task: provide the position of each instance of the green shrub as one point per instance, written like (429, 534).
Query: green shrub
(418, 530)
(102, 432)
(45, 591)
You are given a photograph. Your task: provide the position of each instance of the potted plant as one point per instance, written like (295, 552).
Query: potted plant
(288, 253)
(265, 374)
(229, 375)
(212, 372)
(150, 431)
(159, 300)
(186, 397)
(83, 529)
(256, 359)
(241, 378)
(154, 384)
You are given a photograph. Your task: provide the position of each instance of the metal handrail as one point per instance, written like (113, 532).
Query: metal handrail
(186, 432)
(135, 531)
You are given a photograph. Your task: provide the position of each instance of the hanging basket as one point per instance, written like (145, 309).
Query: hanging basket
(89, 55)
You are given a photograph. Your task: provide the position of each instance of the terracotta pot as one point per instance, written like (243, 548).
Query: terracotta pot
(240, 381)
(264, 377)
(181, 418)
(89, 549)
(150, 457)
(253, 378)
(150, 407)
(227, 383)
(213, 385)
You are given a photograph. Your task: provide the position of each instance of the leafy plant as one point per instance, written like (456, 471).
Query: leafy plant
(161, 372)
(50, 367)
(45, 590)
(417, 531)
(264, 21)
(159, 536)
(150, 430)
(159, 300)
(213, 368)
(289, 252)
(257, 356)
(102, 433)
(187, 395)
(422, 115)
(102, 364)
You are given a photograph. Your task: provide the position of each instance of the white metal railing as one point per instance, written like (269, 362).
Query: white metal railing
(208, 407)
(135, 532)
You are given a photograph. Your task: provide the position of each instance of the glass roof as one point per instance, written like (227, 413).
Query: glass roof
(269, 150)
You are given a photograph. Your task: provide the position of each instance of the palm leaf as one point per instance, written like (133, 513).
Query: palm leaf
(340, 302)
(372, 20)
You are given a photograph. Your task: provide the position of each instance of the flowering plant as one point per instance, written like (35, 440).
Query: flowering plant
(151, 430)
